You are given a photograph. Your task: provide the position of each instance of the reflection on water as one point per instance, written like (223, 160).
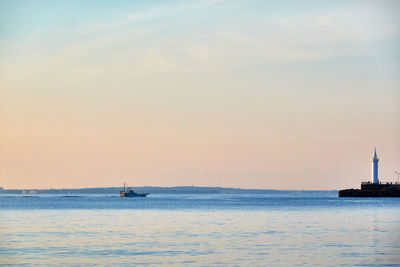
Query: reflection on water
(332, 233)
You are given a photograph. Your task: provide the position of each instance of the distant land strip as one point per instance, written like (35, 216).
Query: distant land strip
(157, 190)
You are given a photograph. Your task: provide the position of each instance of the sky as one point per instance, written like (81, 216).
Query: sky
(241, 93)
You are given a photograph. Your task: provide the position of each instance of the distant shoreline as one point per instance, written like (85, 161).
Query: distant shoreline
(156, 190)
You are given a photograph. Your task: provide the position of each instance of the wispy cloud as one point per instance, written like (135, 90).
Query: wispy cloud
(305, 37)
(154, 13)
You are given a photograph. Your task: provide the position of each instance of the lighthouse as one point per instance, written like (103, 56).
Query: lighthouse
(374, 177)
(373, 188)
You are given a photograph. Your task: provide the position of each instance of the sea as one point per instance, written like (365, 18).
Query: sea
(289, 228)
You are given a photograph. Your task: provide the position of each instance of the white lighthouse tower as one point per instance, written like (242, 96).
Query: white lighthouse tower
(374, 177)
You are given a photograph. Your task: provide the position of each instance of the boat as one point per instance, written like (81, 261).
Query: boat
(128, 192)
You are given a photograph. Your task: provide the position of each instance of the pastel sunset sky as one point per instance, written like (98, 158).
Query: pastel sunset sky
(241, 93)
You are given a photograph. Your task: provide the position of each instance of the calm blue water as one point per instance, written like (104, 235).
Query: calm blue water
(292, 228)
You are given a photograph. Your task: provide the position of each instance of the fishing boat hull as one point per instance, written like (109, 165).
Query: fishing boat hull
(132, 194)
